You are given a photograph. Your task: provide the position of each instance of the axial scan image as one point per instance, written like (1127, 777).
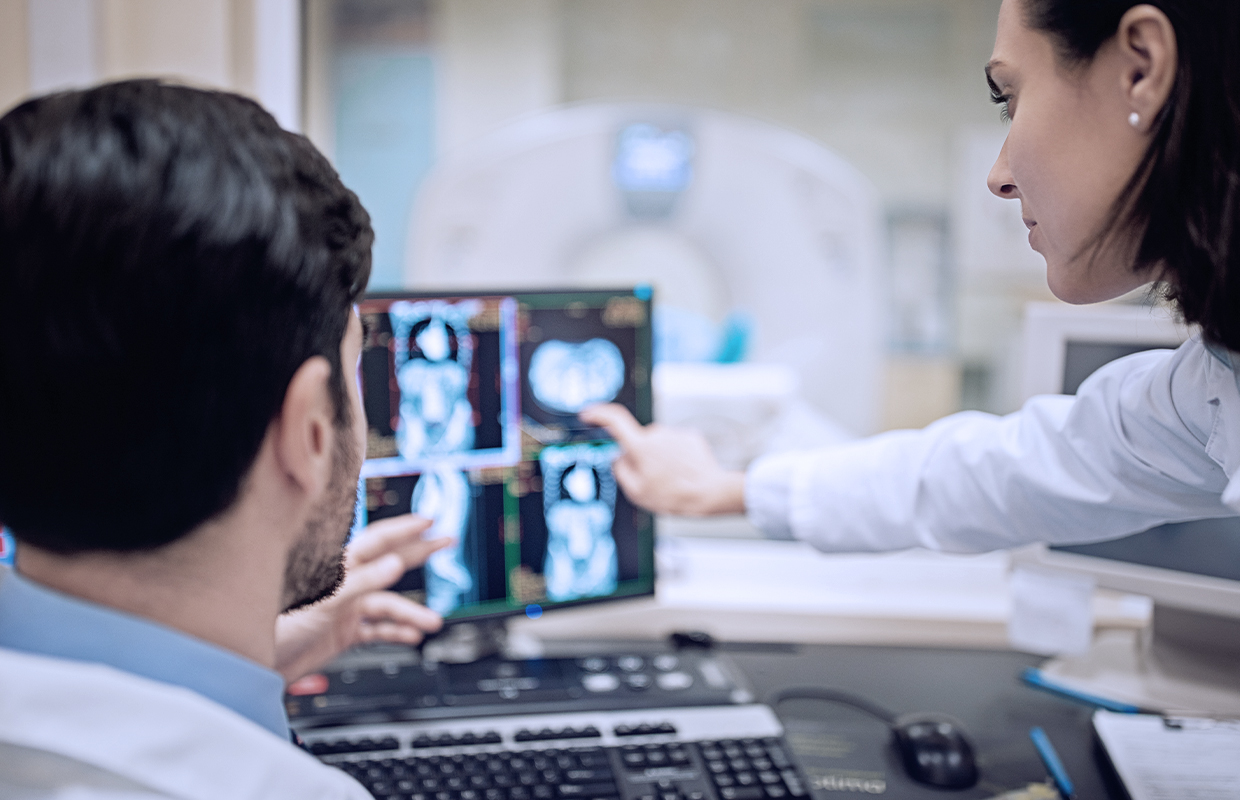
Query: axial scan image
(579, 505)
(433, 352)
(566, 377)
(575, 356)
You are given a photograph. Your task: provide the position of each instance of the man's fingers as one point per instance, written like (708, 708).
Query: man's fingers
(390, 632)
(372, 576)
(386, 535)
(616, 420)
(379, 607)
(416, 554)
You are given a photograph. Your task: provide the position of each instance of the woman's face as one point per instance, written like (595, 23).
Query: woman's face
(1069, 152)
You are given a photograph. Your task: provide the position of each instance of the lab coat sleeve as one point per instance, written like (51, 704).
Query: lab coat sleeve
(1136, 447)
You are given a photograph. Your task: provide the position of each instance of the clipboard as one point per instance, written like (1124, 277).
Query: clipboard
(1172, 758)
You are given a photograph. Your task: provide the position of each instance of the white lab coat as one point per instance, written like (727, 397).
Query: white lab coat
(77, 731)
(1148, 439)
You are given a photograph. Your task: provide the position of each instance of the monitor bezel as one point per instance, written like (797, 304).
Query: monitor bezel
(1166, 587)
(1049, 327)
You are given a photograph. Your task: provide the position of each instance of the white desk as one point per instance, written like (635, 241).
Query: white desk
(741, 589)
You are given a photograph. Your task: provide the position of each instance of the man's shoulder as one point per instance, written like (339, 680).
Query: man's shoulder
(159, 740)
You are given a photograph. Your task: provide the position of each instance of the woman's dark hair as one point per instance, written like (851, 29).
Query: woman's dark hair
(169, 257)
(1184, 199)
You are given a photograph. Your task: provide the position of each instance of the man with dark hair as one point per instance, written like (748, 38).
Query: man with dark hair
(180, 440)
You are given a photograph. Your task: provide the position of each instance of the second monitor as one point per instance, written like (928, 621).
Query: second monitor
(472, 403)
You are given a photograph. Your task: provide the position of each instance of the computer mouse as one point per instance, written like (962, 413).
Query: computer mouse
(935, 750)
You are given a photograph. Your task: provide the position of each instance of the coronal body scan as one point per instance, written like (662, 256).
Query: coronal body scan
(433, 355)
(579, 503)
(443, 496)
(566, 377)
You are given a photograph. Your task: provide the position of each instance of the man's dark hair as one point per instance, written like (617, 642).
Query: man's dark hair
(169, 257)
(1184, 199)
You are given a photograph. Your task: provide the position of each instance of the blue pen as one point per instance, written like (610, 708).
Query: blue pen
(1046, 751)
(1036, 679)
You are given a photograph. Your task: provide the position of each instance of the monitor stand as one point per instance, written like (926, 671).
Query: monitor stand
(1186, 662)
(467, 642)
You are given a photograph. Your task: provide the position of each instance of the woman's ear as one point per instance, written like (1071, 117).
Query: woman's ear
(1147, 44)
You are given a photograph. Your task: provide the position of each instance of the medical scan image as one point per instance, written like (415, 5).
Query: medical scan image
(576, 354)
(579, 505)
(568, 376)
(434, 351)
(443, 496)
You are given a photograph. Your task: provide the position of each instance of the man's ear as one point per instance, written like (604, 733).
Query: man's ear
(304, 434)
(1147, 43)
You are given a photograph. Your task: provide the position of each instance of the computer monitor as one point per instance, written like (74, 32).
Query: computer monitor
(1191, 570)
(472, 401)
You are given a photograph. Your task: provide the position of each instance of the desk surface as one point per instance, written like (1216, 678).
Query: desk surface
(982, 688)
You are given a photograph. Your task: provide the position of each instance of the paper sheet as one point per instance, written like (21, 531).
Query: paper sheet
(1177, 759)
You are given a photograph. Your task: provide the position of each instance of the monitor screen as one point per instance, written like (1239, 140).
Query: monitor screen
(472, 403)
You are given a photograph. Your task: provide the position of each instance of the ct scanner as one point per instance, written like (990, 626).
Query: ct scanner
(740, 226)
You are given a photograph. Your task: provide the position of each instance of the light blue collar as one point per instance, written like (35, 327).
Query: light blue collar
(38, 620)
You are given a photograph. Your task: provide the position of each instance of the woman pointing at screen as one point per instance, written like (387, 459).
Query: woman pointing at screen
(1124, 154)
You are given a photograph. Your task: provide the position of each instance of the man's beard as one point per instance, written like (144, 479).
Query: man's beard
(315, 567)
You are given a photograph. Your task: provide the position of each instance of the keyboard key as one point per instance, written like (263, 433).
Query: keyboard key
(585, 790)
(741, 793)
(793, 781)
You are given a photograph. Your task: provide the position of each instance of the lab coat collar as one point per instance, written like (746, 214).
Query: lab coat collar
(38, 620)
(164, 737)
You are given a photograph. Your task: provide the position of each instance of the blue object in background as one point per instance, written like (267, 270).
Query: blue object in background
(6, 546)
(681, 335)
(652, 160)
(384, 142)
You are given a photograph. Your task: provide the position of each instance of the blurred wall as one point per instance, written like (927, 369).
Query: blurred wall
(894, 86)
(250, 46)
(14, 71)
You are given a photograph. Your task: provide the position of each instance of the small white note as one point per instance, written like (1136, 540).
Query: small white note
(1052, 612)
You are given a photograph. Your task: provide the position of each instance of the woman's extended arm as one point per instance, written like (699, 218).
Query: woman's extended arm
(1140, 445)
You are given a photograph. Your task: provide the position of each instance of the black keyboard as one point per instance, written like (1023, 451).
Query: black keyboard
(720, 753)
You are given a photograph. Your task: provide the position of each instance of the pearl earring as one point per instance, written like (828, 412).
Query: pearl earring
(1134, 119)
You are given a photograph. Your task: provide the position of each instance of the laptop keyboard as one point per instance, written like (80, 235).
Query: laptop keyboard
(720, 753)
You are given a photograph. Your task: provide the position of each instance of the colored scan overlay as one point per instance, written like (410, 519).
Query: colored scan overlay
(530, 500)
(7, 546)
(439, 383)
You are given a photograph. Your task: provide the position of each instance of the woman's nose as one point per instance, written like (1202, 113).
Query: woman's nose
(1000, 181)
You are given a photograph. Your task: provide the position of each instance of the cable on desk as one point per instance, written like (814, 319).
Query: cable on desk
(831, 696)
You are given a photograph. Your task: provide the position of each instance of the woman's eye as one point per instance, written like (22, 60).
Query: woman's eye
(1004, 102)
